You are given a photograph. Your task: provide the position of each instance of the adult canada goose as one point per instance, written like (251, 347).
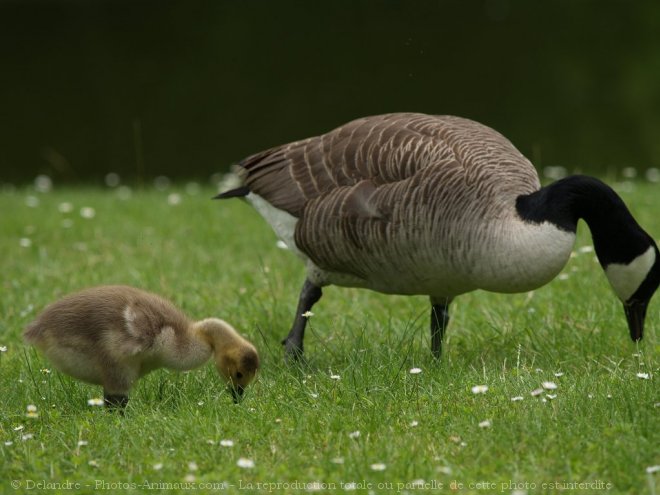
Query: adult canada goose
(112, 335)
(409, 203)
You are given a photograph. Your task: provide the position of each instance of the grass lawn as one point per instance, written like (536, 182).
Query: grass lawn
(354, 418)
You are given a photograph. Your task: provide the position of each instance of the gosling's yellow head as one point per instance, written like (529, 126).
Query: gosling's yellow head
(238, 365)
(236, 359)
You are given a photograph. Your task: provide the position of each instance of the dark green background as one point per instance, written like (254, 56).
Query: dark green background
(186, 88)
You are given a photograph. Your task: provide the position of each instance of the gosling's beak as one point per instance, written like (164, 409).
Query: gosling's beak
(635, 314)
(236, 392)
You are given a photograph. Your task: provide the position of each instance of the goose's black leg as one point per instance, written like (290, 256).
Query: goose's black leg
(293, 343)
(439, 321)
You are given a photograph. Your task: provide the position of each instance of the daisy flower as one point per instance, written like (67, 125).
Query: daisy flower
(480, 389)
(245, 463)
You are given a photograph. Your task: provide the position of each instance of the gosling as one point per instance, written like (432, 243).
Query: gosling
(112, 335)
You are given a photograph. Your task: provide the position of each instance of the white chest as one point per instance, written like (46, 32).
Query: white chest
(518, 256)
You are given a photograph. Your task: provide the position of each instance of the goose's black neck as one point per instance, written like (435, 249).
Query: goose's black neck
(617, 237)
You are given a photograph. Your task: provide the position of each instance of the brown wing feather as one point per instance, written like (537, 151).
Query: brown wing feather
(378, 180)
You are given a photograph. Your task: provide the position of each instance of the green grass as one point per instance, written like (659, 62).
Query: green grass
(220, 259)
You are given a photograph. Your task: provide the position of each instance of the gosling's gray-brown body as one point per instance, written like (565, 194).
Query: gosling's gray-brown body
(113, 335)
(436, 205)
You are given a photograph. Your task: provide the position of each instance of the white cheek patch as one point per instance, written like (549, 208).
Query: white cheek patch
(626, 279)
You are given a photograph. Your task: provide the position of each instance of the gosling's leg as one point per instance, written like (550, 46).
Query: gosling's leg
(439, 321)
(117, 381)
(115, 401)
(293, 343)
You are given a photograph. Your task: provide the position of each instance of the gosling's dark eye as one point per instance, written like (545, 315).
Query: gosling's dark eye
(239, 375)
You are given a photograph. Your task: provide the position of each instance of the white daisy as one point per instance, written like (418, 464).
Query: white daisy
(162, 183)
(314, 486)
(245, 463)
(549, 385)
(112, 179)
(174, 199)
(653, 174)
(124, 193)
(480, 389)
(87, 212)
(95, 402)
(415, 371)
(643, 376)
(486, 424)
(379, 466)
(43, 183)
(227, 443)
(65, 207)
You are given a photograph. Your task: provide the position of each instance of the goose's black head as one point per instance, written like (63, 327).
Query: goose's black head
(626, 252)
(634, 282)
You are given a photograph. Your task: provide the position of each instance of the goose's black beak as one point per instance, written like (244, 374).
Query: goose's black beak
(236, 392)
(635, 314)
